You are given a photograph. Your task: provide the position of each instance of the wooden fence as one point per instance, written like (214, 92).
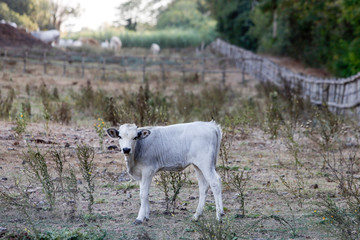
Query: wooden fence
(341, 95)
(105, 65)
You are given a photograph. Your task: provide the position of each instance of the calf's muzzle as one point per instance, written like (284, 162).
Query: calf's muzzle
(126, 150)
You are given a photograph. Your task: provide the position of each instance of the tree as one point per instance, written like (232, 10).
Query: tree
(61, 12)
(233, 21)
(182, 14)
(21, 20)
(132, 12)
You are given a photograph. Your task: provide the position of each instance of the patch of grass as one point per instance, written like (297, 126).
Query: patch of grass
(214, 230)
(127, 186)
(78, 234)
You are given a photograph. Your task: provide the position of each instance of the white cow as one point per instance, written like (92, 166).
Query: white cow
(172, 148)
(65, 42)
(115, 43)
(77, 43)
(48, 37)
(105, 44)
(155, 49)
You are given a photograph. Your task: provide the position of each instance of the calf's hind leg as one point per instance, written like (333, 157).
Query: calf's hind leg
(203, 188)
(215, 183)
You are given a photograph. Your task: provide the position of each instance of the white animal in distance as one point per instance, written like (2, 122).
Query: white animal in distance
(115, 44)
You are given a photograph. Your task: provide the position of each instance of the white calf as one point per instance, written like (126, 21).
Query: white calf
(172, 148)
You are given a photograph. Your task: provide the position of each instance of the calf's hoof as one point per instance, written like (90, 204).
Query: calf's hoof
(137, 222)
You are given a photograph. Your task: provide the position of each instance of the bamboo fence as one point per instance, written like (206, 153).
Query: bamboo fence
(339, 94)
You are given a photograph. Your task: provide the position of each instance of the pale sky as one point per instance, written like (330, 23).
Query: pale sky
(94, 13)
(97, 12)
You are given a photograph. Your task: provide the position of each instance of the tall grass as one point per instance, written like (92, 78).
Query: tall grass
(166, 38)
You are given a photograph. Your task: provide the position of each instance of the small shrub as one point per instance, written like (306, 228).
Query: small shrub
(343, 215)
(211, 229)
(55, 94)
(62, 113)
(239, 181)
(58, 157)
(111, 112)
(37, 167)
(26, 108)
(6, 104)
(27, 89)
(17, 197)
(21, 123)
(273, 115)
(170, 184)
(85, 156)
(100, 128)
(72, 192)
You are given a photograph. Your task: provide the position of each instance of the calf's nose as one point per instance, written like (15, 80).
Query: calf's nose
(126, 150)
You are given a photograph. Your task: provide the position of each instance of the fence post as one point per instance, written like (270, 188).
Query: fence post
(183, 68)
(162, 71)
(144, 69)
(64, 66)
(25, 59)
(44, 61)
(4, 59)
(243, 81)
(260, 73)
(103, 68)
(82, 66)
(203, 68)
(125, 63)
(223, 74)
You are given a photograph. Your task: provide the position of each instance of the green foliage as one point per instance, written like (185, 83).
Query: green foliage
(78, 234)
(37, 167)
(20, 19)
(170, 183)
(211, 229)
(184, 14)
(100, 127)
(319, 33)
(166, 38)
(6, 103)
(234, 22)
(86, 156)
(21, 123)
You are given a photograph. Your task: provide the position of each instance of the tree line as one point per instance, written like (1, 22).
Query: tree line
(321, 33)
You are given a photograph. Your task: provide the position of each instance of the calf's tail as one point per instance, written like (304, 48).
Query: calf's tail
(219, 136)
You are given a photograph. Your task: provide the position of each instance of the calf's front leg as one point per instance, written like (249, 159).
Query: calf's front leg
(144, 198)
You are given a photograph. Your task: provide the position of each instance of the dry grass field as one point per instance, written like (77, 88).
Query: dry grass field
(289, 171)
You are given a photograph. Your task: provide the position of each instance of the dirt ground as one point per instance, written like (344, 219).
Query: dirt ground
(263, 159)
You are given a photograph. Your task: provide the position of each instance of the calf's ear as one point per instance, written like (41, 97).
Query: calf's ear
(144, 133)
(112, 132)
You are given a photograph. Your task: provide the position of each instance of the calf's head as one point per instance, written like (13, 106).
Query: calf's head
(128, 135)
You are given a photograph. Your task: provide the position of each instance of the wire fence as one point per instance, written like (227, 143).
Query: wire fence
(75, 64)
(339, 94)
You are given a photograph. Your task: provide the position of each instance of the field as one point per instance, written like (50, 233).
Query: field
(289, 169)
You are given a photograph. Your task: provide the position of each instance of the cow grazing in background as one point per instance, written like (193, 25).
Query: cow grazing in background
(155, 49)
(172, 148)
(115, 44)
(105, 44)
(49, 37)
(89, 42)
